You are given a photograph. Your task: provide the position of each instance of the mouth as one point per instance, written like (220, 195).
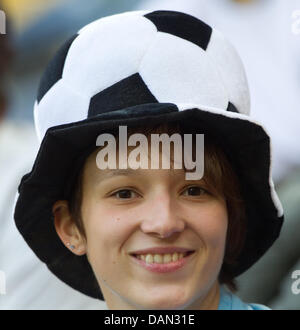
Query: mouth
(163, 263)
(162, 258)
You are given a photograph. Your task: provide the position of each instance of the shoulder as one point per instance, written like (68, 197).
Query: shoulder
(230, 301)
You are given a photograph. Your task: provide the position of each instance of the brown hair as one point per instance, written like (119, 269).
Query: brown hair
(222, 181)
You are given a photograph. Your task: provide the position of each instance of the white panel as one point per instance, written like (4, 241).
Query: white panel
(60, 105)
(176, 70)
(107, 51)
(231, 70)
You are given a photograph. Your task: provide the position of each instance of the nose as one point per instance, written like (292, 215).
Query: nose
(162, 218)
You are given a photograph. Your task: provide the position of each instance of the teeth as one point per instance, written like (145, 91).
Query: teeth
(167, 258)
(161, 258)
(149, 259)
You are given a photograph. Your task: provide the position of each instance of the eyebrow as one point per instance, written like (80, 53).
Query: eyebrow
(118, 172)
(130, 172)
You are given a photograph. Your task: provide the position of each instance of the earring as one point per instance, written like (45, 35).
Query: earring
(72, 247)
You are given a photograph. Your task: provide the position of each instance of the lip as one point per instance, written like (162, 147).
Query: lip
(164, 268)
(162, 250)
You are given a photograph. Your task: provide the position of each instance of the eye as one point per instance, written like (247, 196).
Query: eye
(194, 191)
(125, 194)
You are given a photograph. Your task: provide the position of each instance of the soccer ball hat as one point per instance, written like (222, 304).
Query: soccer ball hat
(134, 69)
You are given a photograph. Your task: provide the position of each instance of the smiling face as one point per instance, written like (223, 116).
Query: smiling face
(127, 211)
(134, 210)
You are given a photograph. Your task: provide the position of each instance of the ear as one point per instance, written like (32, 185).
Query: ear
(66, 228)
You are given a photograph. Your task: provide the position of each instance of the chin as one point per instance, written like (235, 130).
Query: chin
(166, 302)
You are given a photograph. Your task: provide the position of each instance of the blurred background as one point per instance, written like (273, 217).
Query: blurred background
(266, 33)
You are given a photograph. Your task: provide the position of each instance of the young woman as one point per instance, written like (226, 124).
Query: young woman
(144, 238)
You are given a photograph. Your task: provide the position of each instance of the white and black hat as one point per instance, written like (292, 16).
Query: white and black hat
(134, 69)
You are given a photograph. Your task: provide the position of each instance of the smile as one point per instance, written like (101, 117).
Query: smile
(162, 263)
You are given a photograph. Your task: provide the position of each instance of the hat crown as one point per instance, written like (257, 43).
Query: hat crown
(140, 57)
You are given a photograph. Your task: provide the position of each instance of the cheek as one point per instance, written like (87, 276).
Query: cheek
(107, 230)
(211, 225)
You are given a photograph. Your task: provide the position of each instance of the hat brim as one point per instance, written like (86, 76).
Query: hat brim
(245, 142)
